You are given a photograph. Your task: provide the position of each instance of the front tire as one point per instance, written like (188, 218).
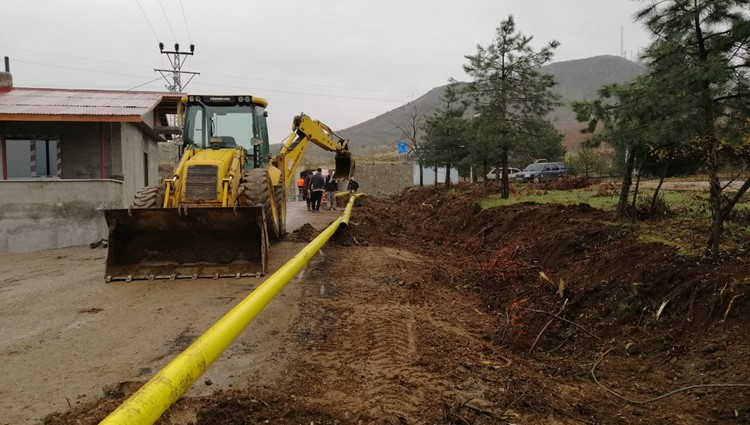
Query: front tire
(149, 197)
(255, 191)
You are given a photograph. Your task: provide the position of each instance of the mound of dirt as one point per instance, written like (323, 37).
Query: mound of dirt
(304, 234)
(432, 310)
(590, 279)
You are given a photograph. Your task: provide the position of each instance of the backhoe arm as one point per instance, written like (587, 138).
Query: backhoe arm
(305, 130)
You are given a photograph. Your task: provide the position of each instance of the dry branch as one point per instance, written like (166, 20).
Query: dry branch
(563, 320)
(546, 326)
(651, 400)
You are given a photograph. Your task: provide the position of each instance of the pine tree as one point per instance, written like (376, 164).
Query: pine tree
(700, 59)
(446, 132)
(511, 96)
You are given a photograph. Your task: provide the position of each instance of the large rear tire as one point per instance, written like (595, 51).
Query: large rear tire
(255, 191)
(149, 197)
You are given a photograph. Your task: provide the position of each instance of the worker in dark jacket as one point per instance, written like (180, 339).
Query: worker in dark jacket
(317, 186)
(307, 192)
(353, 186)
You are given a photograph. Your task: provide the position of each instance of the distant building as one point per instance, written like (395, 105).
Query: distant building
(67, 154)
(428, 175)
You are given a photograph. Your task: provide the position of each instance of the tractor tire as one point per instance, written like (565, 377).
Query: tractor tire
(255, 192)
(149, 197)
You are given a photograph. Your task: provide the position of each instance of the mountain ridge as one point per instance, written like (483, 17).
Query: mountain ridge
(577, 80)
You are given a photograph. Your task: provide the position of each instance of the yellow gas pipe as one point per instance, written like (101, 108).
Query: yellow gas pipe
(170, 383)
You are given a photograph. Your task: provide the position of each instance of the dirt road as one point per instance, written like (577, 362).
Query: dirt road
(65, 334)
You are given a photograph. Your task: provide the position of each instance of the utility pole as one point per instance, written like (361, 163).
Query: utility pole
(175, 58)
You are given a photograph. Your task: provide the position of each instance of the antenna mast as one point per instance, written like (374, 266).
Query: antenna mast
(175, 59)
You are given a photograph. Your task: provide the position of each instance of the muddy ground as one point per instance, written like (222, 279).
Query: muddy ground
(428, 310)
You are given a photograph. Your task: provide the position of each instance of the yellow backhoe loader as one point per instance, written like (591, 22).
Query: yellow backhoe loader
(226, 200)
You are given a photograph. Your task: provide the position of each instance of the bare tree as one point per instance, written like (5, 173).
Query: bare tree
(410, 129)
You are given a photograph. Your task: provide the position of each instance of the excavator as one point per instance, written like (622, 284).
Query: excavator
(226, 200)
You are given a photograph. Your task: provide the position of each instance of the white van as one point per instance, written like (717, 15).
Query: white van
(495, 175)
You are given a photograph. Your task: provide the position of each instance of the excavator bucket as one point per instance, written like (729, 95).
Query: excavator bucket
(199, 242)
(344, 166)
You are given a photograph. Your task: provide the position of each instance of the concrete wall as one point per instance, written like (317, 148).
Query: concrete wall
(133, 145)
(37, 215)
(428, 175)
(380, 179)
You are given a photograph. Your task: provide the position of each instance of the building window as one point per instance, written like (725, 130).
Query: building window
(34, 157)
(46, 158)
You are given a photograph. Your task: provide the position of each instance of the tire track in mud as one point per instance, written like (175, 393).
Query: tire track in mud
(369, 357)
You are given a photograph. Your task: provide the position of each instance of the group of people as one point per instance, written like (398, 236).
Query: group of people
(312, 186)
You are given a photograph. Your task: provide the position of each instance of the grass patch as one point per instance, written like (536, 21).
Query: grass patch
(676, 199)
(562, 197)
(683, 246)
(686, 229)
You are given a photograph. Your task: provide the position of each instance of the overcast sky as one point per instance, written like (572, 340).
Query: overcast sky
(339, 61)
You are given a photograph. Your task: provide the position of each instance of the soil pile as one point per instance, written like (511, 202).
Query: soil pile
(432, 310)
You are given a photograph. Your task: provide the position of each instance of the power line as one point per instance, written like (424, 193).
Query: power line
(304, 84)
(148, 82)
(399, 101)
(186, 24)
(321, 105)
(310, 94)
(307, 84)
(75, 57)
(80, 69)
(209, 74)
(149, 22)
(168, 23)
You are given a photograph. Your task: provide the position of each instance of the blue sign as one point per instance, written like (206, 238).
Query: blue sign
(402, 147)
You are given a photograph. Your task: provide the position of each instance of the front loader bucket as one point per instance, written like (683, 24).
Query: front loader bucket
(344, 166)
(198, 242)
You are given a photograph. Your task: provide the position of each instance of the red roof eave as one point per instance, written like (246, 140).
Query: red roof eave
(70, 118)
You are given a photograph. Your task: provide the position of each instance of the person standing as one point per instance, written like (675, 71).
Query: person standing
(353, 186)
(308, 192)
(318, 186)
(331, 188)
(301, 188)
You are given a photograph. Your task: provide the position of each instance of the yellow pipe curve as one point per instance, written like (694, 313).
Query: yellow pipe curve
(348, 210)
(170, 383)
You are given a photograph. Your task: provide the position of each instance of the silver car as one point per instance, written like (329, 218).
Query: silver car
(542, 171)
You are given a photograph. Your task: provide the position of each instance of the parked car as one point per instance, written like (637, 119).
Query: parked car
(494, 173)
(540, 171)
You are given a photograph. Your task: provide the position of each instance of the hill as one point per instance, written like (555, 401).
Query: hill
(576, 80)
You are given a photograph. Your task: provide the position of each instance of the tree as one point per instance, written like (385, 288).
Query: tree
(543, 141)
(586, 161)
(620, 117)
(700, 60)
(446, 132)
(639, 122)
(510, 95)
(410, 130)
